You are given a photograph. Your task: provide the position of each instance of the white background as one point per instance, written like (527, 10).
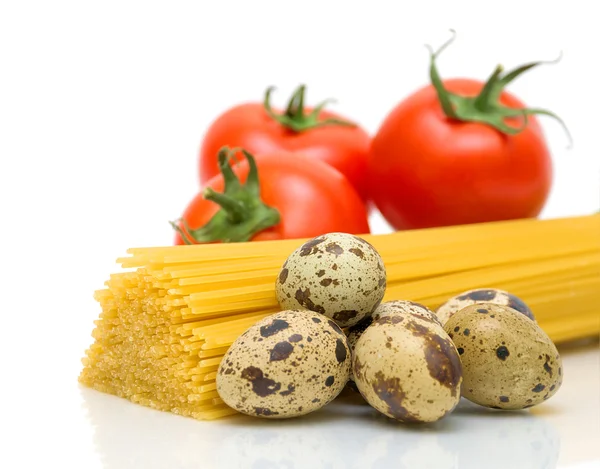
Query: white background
(102, 109)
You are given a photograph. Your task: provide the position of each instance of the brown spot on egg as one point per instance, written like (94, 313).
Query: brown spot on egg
(482, 311)
(334, 248)
(340, 351)
(417, 329)
(389, 320)
(276, 326)
(357, 252)
(460, 350)
(504, 399)
(443, 364)
(290, 389)
(517, 303)
(502, 353)
(317, 320)
(478, 295)
(303, 297)
(295, 338)
(264, 411)
(326, 282)
(261, 385)
(283, 275)
(281, 351)
(382, 282)
(539, 387)
(320, 273)
(329, 381)
(547, 367)
(466, 332)
(345, 315)
(310, 247)
(334, 267)
(390, 391)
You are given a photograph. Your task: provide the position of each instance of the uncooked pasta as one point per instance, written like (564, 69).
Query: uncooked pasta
(167, 321)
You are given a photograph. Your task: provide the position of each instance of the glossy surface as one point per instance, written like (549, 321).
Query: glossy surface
(427, 170)
(102, 431)
(248, 126)
(328, 201)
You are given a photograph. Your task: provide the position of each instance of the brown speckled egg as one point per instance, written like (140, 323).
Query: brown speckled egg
(386, 309)
(286, 365)
(406, 366)
(338, 275)
(482, 295)
(508, 360)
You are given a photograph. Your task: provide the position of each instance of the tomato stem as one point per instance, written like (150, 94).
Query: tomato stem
(295, 117)
(242, 215)
(486, 107)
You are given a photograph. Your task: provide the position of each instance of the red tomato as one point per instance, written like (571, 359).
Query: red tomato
(311, 197)
(427, 169)
(259, 131)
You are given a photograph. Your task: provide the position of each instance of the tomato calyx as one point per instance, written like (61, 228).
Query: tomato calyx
(295, 118)
(486, 107)
(242, 215)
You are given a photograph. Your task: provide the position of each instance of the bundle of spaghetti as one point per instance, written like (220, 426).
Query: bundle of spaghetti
(167, 321)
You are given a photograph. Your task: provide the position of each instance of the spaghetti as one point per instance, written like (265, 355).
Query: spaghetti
(166, 324)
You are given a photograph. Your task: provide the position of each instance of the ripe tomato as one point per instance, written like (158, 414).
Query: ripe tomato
(313, 132)
(457, 152)
(282, 196)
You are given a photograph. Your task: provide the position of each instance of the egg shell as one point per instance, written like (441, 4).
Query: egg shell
(482, 295)
(407, 367)
(288, 364)
(338, 275)
(385, 309)
(508, 360)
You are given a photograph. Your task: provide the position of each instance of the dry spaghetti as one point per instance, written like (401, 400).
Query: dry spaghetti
(165, 325)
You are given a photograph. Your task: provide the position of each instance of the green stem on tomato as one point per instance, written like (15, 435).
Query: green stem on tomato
(486, 107)
(242, 214)
(295, 117)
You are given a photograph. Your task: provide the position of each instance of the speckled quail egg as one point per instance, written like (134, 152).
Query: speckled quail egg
(508, 360)
(338, 275)
(406, 366)
(482, 295)
(288, 364)
(385, 309)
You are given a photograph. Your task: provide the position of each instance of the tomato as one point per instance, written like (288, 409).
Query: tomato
(282, 196)
(445, 156)
(313, 132)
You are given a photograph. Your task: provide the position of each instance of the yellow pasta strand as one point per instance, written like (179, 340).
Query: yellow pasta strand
(166, 324)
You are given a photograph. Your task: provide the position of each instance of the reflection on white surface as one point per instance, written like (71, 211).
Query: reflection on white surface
(346, 434)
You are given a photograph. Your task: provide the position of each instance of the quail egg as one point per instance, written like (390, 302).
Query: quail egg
(406, 366)
(482, 295)
(338, 275)
(508, 360)
(288, 364)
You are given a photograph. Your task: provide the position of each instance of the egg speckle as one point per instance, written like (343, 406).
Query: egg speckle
(482, 295)
(338, 275)
(286, 365)
(508, 360)
(406, 366)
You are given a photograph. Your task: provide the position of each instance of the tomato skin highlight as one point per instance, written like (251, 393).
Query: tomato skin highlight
(428, 170)
(311, 197)
(250, 127)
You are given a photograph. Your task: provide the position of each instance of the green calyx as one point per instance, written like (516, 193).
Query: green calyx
(242, 215)
(486, 107)
(295, 118)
